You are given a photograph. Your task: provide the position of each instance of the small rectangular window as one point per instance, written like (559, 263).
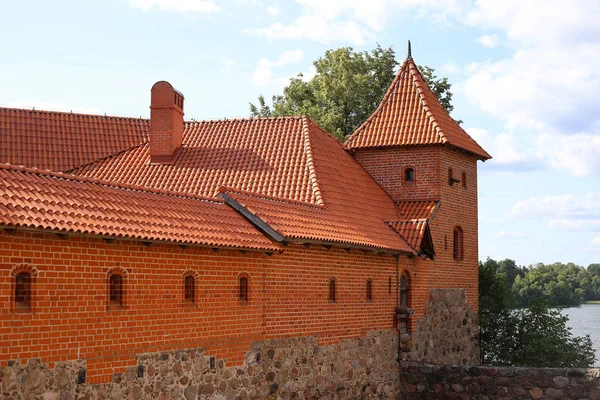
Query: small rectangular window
(332, 291)
(116, 290)
(189, 289)
(369, 290)
(244, 289)
(23, 290)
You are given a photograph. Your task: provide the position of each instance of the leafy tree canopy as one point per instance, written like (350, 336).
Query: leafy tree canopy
(536, 336)
(346, 89)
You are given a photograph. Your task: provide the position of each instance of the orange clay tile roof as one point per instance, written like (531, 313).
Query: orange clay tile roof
(354, 206)
(414, 217)
(62, 141)
(416, 209)
(410, 114)
(411, 230)
(269, 156)
(31, 198)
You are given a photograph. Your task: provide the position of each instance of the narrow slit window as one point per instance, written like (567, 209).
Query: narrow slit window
(464, 179)
(369, 290)
(389, 285)
(189, 288)
(404, 304)
(244, 289)
(458, 243)
(23, 290)
(450, 178)
(409, 175)
(116, 290)
(332, 291)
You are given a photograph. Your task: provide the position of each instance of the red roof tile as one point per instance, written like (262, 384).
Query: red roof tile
(354, 206)
(410, 114)
(269, 156)
(31, 198)
(416, 209)
(62, 141)
(411, 230)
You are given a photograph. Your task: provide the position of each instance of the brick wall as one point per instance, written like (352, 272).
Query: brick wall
(458, 207)
(288, 297)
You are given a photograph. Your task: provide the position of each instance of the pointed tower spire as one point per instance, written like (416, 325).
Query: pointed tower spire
(409, 53)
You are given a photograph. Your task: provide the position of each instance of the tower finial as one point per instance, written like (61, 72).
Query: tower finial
(409, 54)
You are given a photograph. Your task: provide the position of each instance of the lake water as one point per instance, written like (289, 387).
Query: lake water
(585, 320)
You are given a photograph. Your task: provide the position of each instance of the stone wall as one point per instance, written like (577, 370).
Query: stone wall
(283, 368)
(463, 382)
(447, 333)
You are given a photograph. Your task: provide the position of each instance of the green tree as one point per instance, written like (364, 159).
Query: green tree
(346, 89)
(536, 336)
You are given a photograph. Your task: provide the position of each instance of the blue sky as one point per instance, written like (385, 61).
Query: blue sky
(524, 75)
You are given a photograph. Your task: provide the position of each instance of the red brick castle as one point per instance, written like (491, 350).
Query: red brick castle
(261, 246)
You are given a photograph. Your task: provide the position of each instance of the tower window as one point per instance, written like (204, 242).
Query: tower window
(332, 290)
(23, 290)
(189, 284)
(244, 289)
(409, 175)
(116, 290)
(369, 290)
(464, 179)
(389, 285)
(458, 243)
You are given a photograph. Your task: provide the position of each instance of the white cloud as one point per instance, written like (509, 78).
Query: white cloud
(490, 41)
(263, 74)
(577, 154)
(355, 21)
(51, 106)
(510, 235)
(576, 225)
(180, 6)
(596, 241)
(273, 10)
(227, 68)
(450, 68)
(559, 207)
(546, 91)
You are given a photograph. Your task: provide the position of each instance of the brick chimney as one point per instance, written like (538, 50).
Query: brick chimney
(166, 123)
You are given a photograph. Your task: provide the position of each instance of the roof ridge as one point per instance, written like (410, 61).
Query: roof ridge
(384, 100)
(117, 153)
(33, 109)
(310, 161)
(229, 189)
(83, 179)
(417, 83)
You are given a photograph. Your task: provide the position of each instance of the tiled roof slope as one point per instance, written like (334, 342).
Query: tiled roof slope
(31, 198)
(410, 114)
(62, 141)
(411, 230)
(416, 209)
(354, 209)
(269, 156)
(414, 217)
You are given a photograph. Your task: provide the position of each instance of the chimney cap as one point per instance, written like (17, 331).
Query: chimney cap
(167, 83)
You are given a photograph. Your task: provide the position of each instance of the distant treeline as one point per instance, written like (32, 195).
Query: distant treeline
(558, 284)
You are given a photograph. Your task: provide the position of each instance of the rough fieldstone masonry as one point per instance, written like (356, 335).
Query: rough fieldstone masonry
(447, 333)
(470, 382)
(284, 369)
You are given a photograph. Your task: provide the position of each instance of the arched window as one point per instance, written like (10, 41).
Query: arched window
(404, 288)
(189, 284)
(244, 289)
(409, 175)
(369, 290)
(464, 179)
(23, 290)
(116, 290)
(332, 289)
(458, 243)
